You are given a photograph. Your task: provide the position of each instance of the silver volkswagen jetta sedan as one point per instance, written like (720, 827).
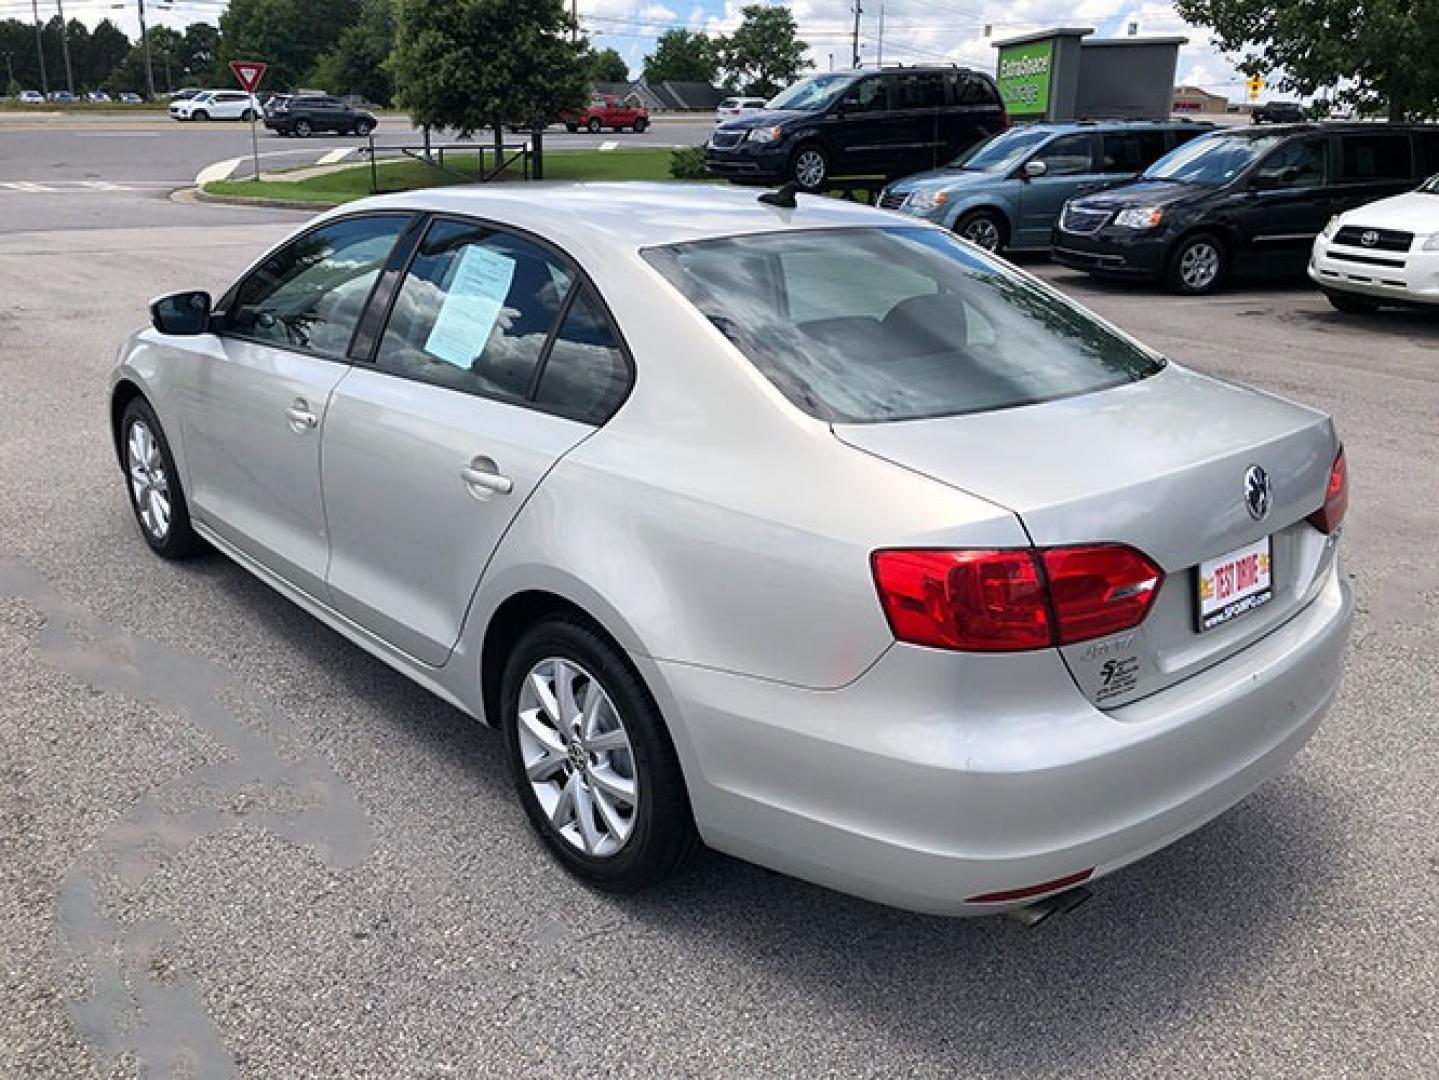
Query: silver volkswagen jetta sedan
(803, 531)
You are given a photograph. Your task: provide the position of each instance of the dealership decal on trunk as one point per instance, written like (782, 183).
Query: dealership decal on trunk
(1235, 583)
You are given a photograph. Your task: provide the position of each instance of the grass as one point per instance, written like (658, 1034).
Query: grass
(345, 185)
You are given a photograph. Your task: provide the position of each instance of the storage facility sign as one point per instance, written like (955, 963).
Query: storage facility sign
(1024, 75)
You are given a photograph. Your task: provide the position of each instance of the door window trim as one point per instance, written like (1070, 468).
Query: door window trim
(222, 309)
(580, 280)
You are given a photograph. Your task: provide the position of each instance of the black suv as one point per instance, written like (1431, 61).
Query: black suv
(1278, 112)
(1247, 200)
(304, 115)
(890, 123)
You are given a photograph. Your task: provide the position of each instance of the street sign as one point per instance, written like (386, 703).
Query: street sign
(248, 73)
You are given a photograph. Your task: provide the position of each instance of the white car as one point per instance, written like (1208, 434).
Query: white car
(216, 105)
(1385, 252)
(31, 97)
(733, 107)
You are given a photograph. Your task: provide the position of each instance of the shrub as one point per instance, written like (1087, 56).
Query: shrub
(688, 163)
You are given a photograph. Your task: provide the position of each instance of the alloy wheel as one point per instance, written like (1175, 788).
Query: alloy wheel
(809, 168)
(982, 232)
(148, 482)
(577, 757)
(1199, 266)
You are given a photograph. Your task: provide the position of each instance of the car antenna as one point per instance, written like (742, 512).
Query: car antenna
(784, 197)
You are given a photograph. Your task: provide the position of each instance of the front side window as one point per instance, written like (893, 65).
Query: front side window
(1069, 155)
(475, 311)
(309, 295)
(1376, 157)
(865, 96)
(877, 324)
(1303, 163)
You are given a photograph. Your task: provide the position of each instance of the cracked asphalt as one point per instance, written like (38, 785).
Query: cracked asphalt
(233, 844)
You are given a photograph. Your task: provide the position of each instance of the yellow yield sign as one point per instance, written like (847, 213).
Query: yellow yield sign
(1256, 84)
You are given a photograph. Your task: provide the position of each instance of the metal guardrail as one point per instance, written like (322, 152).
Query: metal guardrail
(505, 159)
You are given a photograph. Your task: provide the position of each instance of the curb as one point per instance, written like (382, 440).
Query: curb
(195, 194)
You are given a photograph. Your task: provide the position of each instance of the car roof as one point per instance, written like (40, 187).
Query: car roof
(1123, 124)
(631, 215)
(1324, 128)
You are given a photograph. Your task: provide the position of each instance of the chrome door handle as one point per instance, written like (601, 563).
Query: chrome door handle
(483, 478)
(300, 417)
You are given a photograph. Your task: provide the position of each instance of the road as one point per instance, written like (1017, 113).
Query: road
(229, 837)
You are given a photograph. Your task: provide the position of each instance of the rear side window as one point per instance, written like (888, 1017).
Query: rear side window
(585, 375)
(1375, 157)
(475, 311)
(918, 91)
(875, 324)
(309, 295)
(1131, 151)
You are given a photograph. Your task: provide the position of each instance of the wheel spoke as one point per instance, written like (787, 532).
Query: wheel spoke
(563, 813)
(546, 765)
(548, 738)
(615, 822)
(585, 815)
(546, 697)
(568, 708)
(614, 785)
(607, 740)
(589, 718)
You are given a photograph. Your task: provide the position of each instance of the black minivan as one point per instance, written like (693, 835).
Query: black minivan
(890, 122)
(1241, 201)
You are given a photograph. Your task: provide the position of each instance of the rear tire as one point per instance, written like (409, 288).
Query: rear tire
(594, 126)
(303, 128)
(640, 125)
(572, 128)
(153, 484)
(363, 128)
(1351, 304)
(247, 115)
(614, 843)
(1198, 265)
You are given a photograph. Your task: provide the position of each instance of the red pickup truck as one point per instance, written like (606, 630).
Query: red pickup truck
(606, 111)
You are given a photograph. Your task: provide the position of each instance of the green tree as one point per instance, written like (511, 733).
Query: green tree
(1380, 54)
(681, 56)
(608, 66)
(288, 35)
(200, 56)
(763, 55)
(355, 64)
(106, 48)
(473, 64)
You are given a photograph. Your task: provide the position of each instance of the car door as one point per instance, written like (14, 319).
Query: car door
(1288, 199)
(432, 448)
(914, 133)
(253, 409)
(1069, 171)
(859, 128)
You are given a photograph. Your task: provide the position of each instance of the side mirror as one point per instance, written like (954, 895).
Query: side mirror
(1034, 169)
(181, 313)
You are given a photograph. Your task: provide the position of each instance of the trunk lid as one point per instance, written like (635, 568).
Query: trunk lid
(1160, 465)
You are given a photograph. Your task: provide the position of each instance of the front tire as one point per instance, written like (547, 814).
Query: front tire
(984, 229)
(303, 128)
(247, 115)
(199, 114)
(594, 767)
(810, 167)
(1198, 265)
(594, 126)
(153, 483)
(640, 125)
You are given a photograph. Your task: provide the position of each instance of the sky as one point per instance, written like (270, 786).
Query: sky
(915, 31)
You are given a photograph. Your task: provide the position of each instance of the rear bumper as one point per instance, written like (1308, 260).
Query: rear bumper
(1414, 280)
(1102, 253)
(932, 779)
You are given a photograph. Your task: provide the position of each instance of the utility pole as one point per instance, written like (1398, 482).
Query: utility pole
(40, 48)
(880, 61)
(65, 48)
(574, 22)
(145, 48)
(858, 11)
(10, 73)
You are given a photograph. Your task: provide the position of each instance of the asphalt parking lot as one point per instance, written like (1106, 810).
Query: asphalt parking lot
(232, 843)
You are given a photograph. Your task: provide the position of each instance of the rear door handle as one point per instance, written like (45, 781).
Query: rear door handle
(300, 417)
(483, 477)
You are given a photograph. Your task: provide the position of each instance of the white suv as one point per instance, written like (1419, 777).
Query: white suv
(216, 105)
(1385, 251)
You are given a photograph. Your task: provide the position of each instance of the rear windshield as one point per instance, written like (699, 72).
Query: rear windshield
(897, 323)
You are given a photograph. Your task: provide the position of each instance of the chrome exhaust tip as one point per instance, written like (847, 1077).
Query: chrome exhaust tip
(1035, 913)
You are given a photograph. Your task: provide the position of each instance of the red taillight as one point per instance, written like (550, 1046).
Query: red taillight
(1099, 590)
(1013, 599)
(1330, 516)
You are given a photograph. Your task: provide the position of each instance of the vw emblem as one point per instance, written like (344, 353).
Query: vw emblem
(1369, 238)
(1256, 492)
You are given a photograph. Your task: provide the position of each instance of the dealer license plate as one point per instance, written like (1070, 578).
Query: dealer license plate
(1235, 583)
